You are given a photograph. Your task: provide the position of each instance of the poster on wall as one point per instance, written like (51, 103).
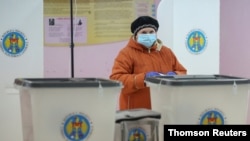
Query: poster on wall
(94, 21)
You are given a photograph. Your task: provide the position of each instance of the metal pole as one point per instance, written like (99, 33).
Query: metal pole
(72, 38)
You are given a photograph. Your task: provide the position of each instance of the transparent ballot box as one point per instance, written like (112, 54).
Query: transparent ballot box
(199, 99)
(73, 109)
(137, 125)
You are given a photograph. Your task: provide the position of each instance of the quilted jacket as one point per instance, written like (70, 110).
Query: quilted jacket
(131, 65)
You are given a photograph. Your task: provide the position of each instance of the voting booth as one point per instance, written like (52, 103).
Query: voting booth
(137, 125)
(199, 99)
(72, 109)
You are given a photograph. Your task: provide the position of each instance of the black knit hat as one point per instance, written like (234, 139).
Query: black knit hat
(143, 22)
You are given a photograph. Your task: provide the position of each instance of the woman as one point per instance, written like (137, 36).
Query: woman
(143, 56)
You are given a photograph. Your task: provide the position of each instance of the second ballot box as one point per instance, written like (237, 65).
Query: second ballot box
(199, 99)
(73, 109)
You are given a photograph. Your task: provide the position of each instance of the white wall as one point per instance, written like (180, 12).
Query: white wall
(177, 18)
(27, 17)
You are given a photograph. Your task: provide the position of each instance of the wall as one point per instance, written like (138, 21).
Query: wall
(178, 19)
(101, 44)
(234, 34)
(27, 17)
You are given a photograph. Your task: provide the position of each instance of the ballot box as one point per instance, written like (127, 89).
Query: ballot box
(70, 109)
(199, 99)
(137, 125)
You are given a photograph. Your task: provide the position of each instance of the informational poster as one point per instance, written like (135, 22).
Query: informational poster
(94, 21)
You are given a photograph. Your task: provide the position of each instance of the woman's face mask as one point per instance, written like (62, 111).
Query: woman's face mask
(146, 39)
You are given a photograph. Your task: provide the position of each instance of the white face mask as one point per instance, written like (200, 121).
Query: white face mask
(146, 39)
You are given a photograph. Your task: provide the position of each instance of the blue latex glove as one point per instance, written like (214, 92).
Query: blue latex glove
(171, 73)
(152, 74)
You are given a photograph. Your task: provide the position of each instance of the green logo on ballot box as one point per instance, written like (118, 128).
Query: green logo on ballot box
(76, 127)
(137, 134)
(212, 117)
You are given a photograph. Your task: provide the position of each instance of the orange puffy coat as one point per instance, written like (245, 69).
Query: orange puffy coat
(131, 65)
